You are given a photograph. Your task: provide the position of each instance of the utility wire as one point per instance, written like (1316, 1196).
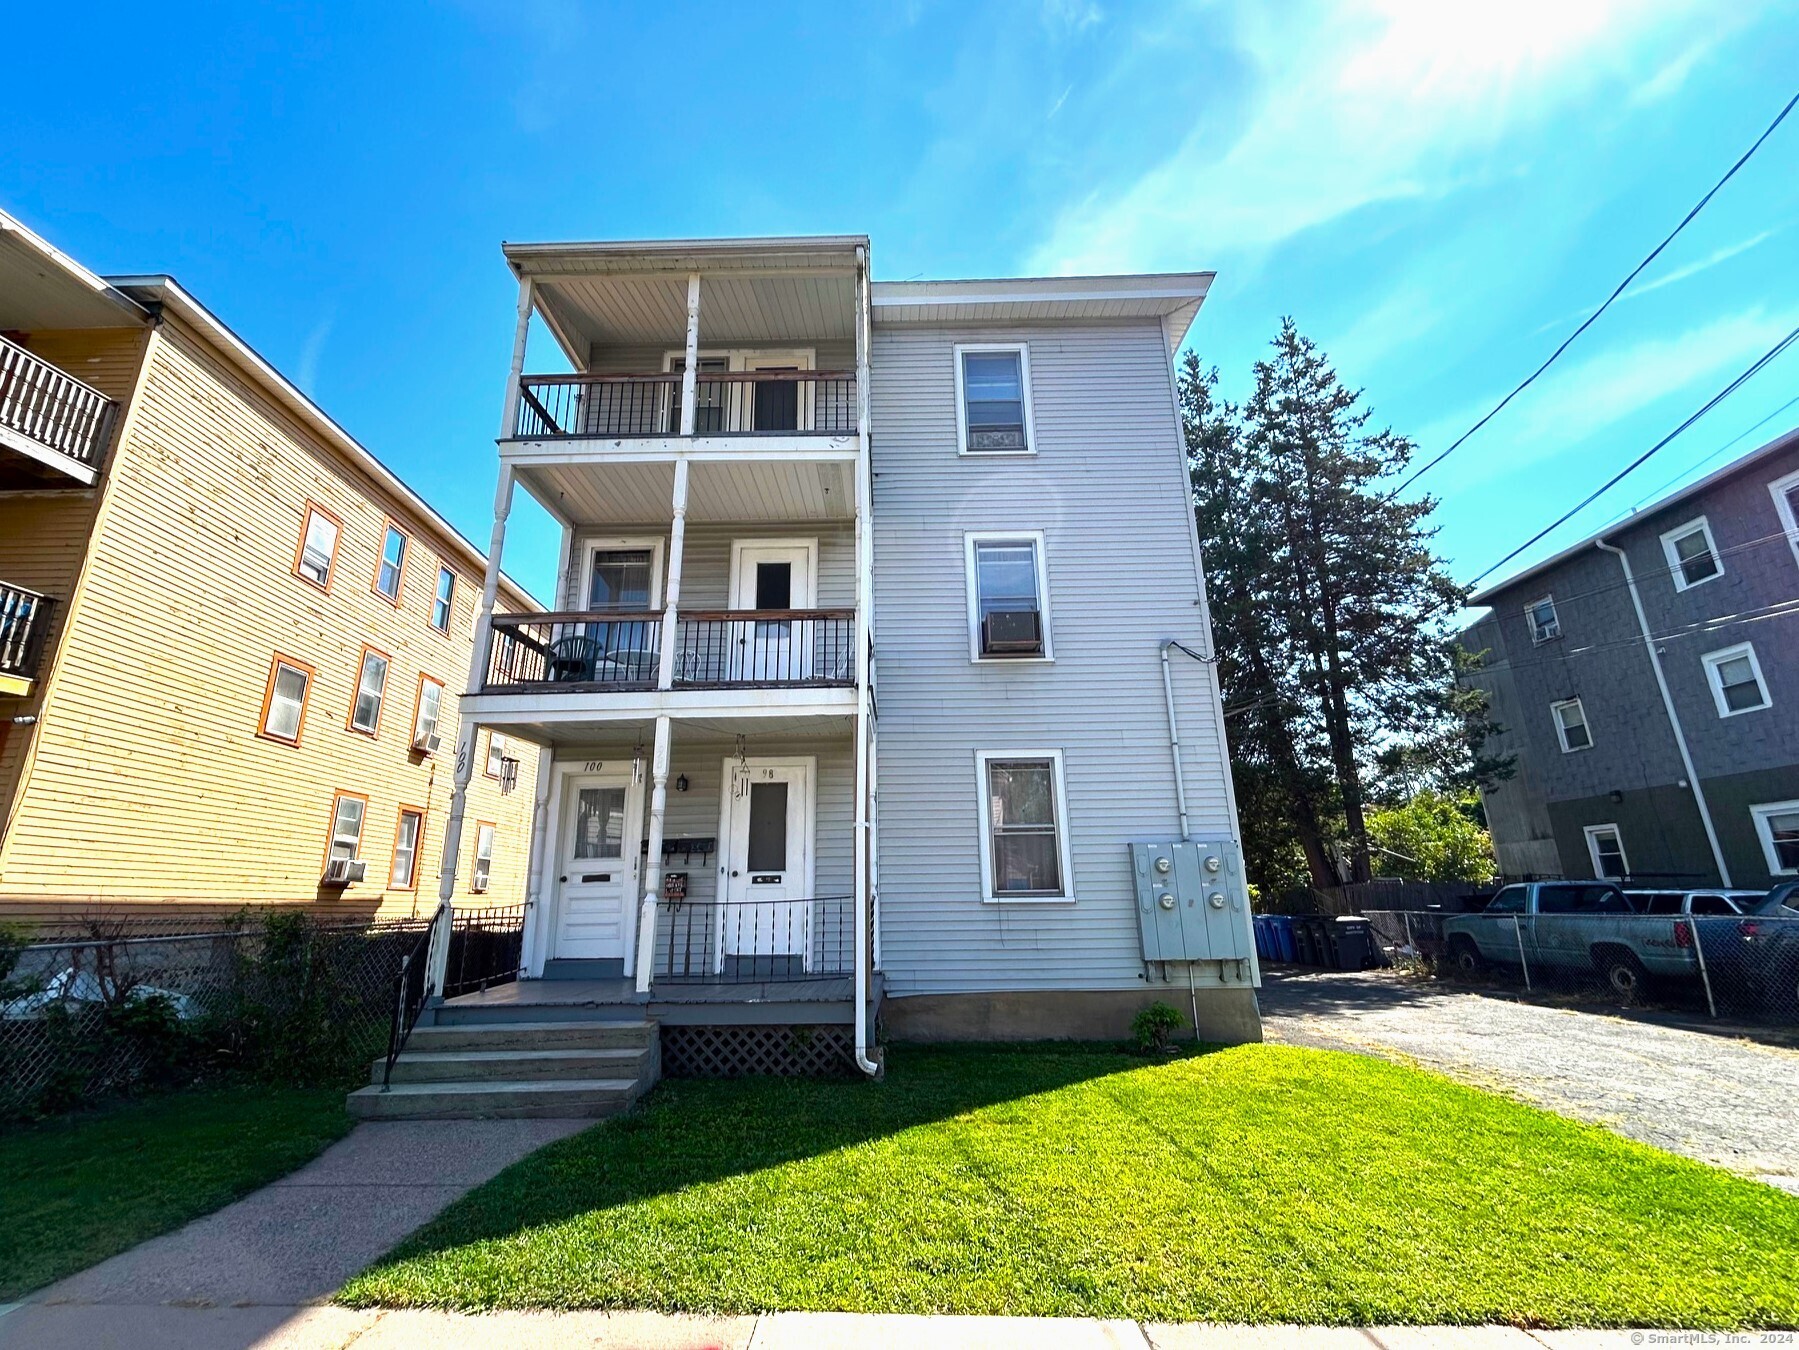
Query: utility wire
(1655, 492)
(1656, 573)
(1610, 483)
(1778, 609)
(1591, 318)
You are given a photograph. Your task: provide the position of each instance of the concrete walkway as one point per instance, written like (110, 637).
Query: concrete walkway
(238, 1276)
(324, 1328)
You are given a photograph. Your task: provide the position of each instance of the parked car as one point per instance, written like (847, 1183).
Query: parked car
(1581, 926)
(1702, 903)
(1759, 953)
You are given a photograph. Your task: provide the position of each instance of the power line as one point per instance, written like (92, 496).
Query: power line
(1593, 496)
(1714, 454)
(1591, 318)
(1777, 609)
(1655, 573)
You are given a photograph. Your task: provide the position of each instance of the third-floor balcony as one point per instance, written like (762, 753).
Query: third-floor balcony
(761, 402)
(51, 419)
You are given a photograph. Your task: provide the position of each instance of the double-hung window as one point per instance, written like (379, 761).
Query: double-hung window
(391, 570)
(403, 875)
(1024, 835)
(482, 872)
(1605, 848)
(993, 399)
(284, 700)
(371, 690)
(1736, 680)
(1571, 725)
(1008, 597)
(347, 812)
(445, 602)
(1544, 625)
(1692, 556)
(425, 716)
(1777, 826)
(1785, 492)
(317, 557)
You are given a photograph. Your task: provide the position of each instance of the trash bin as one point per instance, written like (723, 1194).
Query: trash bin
(1354, 942)
(1324, 940)
(1305, 943)
(1284, 948)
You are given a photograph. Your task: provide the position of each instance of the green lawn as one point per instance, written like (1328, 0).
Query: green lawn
(1259, 1184)
(79, 1189)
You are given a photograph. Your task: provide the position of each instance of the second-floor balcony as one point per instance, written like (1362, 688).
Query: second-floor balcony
(50, 417)
(24, 630)
(582, 651)
(726, 403)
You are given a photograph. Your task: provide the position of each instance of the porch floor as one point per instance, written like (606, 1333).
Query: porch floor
(827, 1000)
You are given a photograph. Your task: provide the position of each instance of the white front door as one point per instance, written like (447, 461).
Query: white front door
(597, 860)
(776, 576)
(765, 923)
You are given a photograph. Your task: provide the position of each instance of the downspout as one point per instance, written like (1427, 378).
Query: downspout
(1174, 743)
(863, 814)
(1680, 738)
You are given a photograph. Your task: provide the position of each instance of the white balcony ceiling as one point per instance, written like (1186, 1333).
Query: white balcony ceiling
(600, 493)
(42, 289)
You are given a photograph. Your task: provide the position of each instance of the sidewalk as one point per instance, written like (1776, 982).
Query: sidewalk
(324, 1328)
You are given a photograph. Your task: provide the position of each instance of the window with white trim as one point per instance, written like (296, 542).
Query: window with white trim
(499, 749)
(1605, 848)
(392, 567)
(1571, 725)
(482, 872)
(1544, 625)
(347, 812)
(1692, 556)
(1785, 492)
(430, 708)
(1736, 680)
(1777, 826)
(1008, 597)
(318, 547)
(404, 873)
(371, 689)
(445, 601)
(1024, 835)
(993, 398)
(285, 709)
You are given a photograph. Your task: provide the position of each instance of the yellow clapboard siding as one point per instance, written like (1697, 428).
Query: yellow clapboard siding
(150, 782)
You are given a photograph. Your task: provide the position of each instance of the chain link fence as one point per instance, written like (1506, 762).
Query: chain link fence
(101, 1006)
(1741, 967)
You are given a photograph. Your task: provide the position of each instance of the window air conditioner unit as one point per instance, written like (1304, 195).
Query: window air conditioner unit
(429, 744)
(344, 871)
(1012, 632)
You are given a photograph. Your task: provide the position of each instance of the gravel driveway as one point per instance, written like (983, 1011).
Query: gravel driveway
(1725, 1101)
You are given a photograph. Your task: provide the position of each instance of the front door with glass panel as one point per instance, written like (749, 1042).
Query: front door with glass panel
(765, 922)
(597, 862)
(777, 577)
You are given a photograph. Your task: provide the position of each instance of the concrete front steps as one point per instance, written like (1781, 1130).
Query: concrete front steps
(514, 1069)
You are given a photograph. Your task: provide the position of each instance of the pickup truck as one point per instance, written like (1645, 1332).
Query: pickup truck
(1579, 926)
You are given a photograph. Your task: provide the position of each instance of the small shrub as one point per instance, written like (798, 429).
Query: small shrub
(1153, 1025)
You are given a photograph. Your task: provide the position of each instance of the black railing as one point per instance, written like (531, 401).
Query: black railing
(24, 627)
(51, 406)
(575, 649)
(411, 987)
(766, 648)
(734, 403)
(755, 941)
(485, 949)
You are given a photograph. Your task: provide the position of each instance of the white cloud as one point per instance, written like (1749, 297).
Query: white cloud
(1576, 402)
(1376, 101)
(1691, 269)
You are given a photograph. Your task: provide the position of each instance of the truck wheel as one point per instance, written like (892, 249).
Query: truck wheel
(1465, 956)
(1622, 971)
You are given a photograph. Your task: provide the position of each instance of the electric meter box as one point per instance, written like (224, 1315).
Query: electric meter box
(1192, 900)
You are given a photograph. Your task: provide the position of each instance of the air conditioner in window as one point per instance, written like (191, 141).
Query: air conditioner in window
(344, 871)
(428, 743)
(1012, 632)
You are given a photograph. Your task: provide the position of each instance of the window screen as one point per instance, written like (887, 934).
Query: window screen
(993, 400)
(1021, 798)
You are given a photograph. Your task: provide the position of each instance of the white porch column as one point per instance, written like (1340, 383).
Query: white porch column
(677, 539)
(864, 813)
(688, 375)
(509, 415)
(652, 867)
(541, 844)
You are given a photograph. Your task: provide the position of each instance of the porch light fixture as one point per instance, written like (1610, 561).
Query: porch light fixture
(680, 782)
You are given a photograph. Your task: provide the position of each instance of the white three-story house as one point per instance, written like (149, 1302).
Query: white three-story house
(873, 652)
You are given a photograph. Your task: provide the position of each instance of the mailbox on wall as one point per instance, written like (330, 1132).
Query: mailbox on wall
(1192, 900)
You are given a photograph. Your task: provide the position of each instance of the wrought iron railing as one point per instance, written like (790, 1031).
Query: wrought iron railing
(726, 403)
(51, 406)
(577, 650)
(766, 648)
(24, 627)
(574, 649)
(413, 987)
(755, 941)
(484, 950)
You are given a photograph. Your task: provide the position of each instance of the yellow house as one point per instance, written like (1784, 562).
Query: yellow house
(232, 643)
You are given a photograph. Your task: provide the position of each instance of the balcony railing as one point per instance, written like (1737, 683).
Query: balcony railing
(51, 407)
(734, 403)
(24, 626)
(581, 650)
(755, 941)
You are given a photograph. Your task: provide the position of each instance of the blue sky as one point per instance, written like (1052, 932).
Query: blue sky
(1435, 192)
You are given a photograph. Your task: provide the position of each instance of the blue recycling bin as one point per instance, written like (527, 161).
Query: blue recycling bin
(1280, 934)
